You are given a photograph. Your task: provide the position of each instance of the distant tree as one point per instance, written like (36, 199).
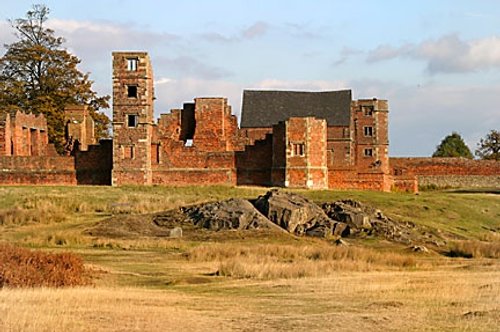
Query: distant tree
(38, 75)
(453, 146)
(489, 146)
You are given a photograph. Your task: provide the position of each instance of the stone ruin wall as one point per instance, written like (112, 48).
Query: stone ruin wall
(449, 172)
(26, 157)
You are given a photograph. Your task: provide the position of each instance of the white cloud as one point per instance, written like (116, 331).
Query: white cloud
(421, 116)
(162, 80)
(314, 85)
(255, 30)
(448, 54)
(94, 40)
(6, 35)
(188, 66)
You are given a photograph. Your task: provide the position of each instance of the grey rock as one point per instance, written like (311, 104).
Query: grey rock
(229, 214)
(294, 213)
(176, 232)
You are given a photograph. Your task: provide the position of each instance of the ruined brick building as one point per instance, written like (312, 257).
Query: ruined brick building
(288, 139)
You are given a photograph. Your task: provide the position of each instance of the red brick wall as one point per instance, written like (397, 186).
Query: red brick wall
(254, 134)
(41, 170)
(254, 164)
(299, 149)
(377, 142)
(182, 177)
(94, 166)
(28, 135)
(339, 147)
(450, 172)
(5, 135)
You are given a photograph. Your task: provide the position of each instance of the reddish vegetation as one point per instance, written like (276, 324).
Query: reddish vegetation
(28, 268)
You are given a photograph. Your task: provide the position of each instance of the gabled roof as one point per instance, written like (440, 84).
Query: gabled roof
(267, 108)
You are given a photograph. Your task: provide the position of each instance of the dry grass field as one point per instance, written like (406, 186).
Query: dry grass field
(254, 281)
(461, 297)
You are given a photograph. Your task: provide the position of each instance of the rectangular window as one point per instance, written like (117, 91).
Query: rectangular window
(368, 152)
(298, 149)
(368, 131)
(132, 91)
(132, 64)
(128, 152)
(155, 153)
(368, 110)
(132, 120)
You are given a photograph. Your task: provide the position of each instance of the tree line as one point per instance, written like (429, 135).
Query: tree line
(453, 145)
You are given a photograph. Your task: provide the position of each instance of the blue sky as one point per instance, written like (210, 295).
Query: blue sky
(437, 62)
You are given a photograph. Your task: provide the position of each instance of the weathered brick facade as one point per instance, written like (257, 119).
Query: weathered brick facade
(26, 157)
(448, 172)
(289, 139)
(79, 126)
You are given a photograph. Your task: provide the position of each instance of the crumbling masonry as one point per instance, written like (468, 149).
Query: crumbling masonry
(286, 138)
(289, 139)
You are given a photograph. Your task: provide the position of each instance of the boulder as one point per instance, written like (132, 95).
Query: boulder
(349, 212)
(234, 213)
(294, 213)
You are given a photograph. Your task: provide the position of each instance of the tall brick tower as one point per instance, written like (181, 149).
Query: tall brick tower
(132, 118)
(372, 140)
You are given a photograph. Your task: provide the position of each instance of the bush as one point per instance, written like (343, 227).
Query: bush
(474, 249)
(27, 268)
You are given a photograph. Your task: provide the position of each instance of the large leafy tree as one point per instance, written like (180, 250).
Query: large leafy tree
(453, 146)
(489, 146)
(37, 74)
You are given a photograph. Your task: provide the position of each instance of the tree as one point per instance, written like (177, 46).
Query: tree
(38, 75)
(453, 146)
(489, 146)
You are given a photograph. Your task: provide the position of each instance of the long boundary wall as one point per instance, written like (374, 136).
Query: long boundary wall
(451, 172)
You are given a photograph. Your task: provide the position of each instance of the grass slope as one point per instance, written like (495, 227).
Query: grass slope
(243, 281)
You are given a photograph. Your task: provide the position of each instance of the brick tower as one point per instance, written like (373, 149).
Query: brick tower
(132, 118)
(299, 153)
(372, 141)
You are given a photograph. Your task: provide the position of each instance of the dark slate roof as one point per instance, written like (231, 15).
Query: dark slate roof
(266, 108)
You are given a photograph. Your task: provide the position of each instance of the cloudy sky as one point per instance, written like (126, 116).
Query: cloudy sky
(437, 62)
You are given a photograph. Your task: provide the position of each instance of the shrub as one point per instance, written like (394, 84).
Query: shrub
(28, 268)
(474, 249)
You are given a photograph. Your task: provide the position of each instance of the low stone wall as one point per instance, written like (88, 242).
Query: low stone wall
(42, 170)
(450, 172)
(199, 177)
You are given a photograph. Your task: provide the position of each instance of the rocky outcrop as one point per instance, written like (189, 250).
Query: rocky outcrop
(295, 213)
(363, 220)
(230, 214)
(276, 211)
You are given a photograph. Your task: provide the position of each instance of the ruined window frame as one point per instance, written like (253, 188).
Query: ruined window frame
(132, 120)
(128, 152)
(132, 88)
(368, 131)
(368, 152)
(297, 149)
(132, 64)
(368, 111)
